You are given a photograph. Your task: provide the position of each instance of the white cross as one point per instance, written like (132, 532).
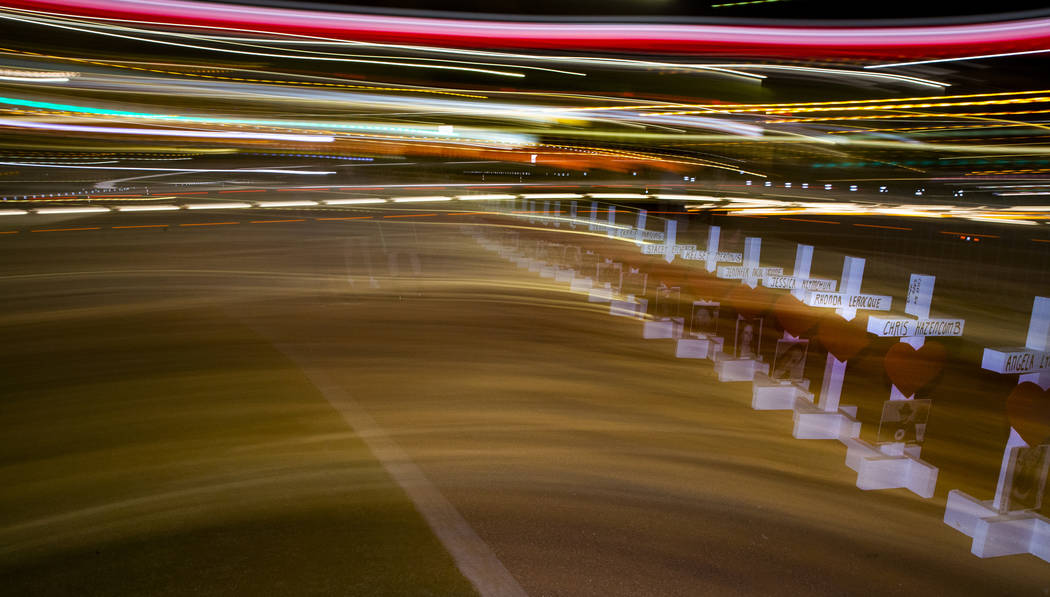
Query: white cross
(752, 250)
(670, 232)
(920, 297)
(1037, 343)
(803, 263)
(834, 369)
(713, 234)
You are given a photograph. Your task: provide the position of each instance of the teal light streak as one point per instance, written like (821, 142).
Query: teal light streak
(204, 120)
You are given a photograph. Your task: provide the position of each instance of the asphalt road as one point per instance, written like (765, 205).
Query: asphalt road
(589, 461)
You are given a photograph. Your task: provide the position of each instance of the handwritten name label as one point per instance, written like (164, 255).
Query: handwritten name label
(793, 283)
(720, 256)
(1015, 360)
(903, 327)
(738, 272)
(662, 249)
(633, 233)
(839, 300)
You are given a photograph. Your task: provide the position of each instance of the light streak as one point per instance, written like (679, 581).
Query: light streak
(551, 196)
(51, 23)
(13, 212)
(295, 203)
(218, 205)
(148, 207)
(34, 79)
(958, 58)
(166, 132)
(727, 4)
(925, 41)
(71, 210)
(187, 170)
(491, 197)
(204, 120)
(895, 116)
(420, 199)
(353, 201)
(710, 108)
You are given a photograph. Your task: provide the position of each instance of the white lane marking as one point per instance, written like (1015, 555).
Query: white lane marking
(472, 555)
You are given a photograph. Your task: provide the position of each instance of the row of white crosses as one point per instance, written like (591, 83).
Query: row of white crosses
(996, 526)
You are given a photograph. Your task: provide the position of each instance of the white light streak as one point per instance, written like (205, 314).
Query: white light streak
(420, 199)
(485, 197)
(218, 205)
(617, 196)
(147, 207)
(108, 130)
(70, 210)
(552, 196)
(367, 201)
(284, 203)
(188, 170)
(960, 58)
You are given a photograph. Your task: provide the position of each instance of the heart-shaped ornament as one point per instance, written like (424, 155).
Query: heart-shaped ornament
(794, 316)
(843, 339)
(1028, 409)
(911, 369)
(749, 302)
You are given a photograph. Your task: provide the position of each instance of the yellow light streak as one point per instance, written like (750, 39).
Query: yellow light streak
(894, 116)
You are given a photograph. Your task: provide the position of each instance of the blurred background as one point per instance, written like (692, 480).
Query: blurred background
(435, 298)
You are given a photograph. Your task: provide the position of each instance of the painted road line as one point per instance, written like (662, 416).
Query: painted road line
(210, 224)
(64, 229)
(970, 234)
(810, 221)
(880, 226)
(474, 558)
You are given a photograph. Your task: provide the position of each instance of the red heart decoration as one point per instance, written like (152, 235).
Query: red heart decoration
(843, 339)
(749, 302)
(794, 316)
(1028, 409)
(911, 369)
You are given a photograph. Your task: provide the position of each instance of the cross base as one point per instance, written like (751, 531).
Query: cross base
(813, 422)
(878, 470)
(663, 328)
(629, 307)
(731, 369)
(600, 295)
(580, 283)
(775, 394)
(997, 534)
(702, 347)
